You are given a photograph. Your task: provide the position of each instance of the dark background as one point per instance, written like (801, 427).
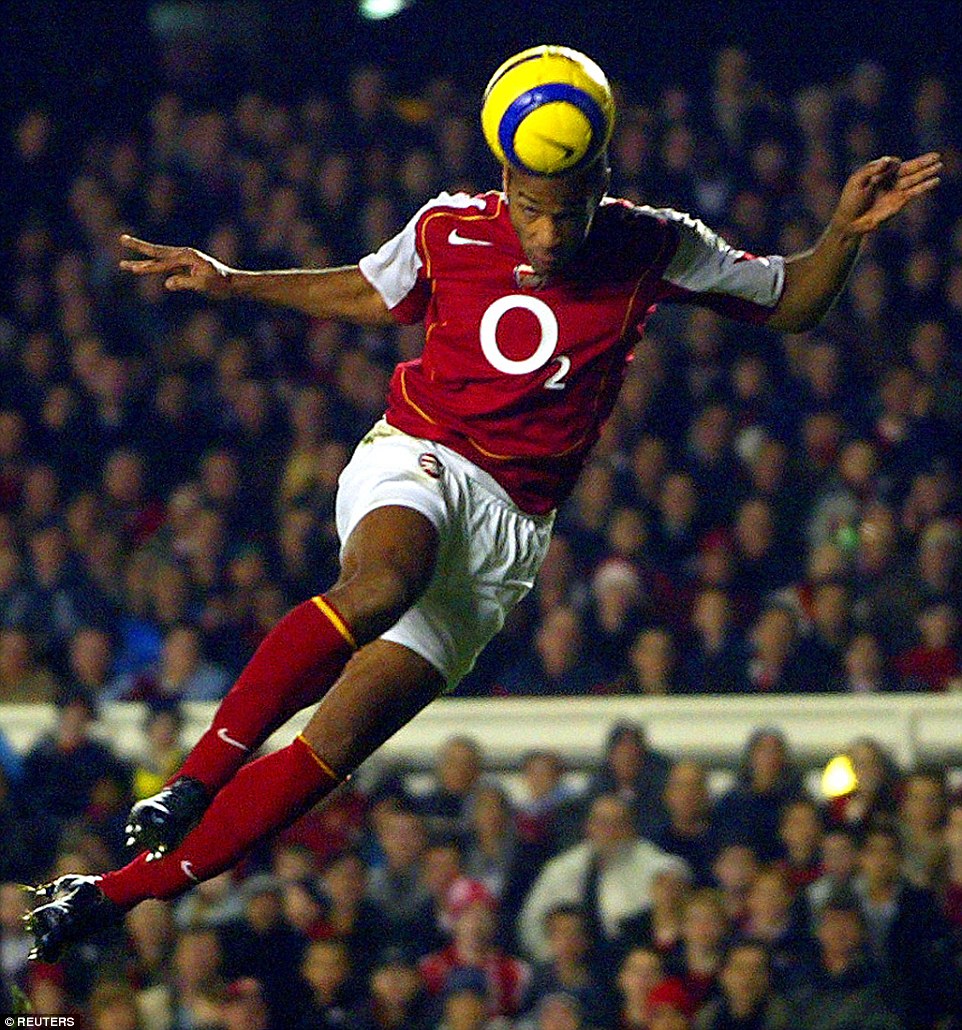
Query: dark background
(100, 60)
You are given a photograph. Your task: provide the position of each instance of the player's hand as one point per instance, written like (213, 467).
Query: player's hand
(185, 267)
(880, 189)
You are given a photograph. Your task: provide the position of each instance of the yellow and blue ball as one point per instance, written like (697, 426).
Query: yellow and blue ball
(547, 111)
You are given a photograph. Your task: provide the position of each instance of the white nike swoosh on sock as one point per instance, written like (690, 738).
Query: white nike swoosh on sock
(188, 869)
(223, 735)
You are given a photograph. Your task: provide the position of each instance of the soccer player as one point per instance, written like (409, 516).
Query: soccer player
(533, 298)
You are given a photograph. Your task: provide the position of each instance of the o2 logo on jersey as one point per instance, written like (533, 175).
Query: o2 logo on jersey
(543, 353)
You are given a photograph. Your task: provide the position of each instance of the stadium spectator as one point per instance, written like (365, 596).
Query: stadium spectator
(112, 1008)
(27, 834)
(457, 776)
(609, 874)
(348, 914)
(396, 886)
(560, 1011)
(874, 794)
(547, 799)
(690, 831)
(921, 817)
(640, 972)
(473, 912)
(746, 1001)
(64, 767)
(770, 923)
(750, 811)
(568, 968)
(660, 927)
(492, 846)
(905, 932)
(634, 772)
(935, 660)
(329, 995)
(397, 999)
(152, 936)
(465, 1004)
(839, 989)
(776, 664)
(800, 832)
(163, 752)
(670, 1007)
(864, 668)
(181, 675)
(716, 657)
(654, 665)
(22, 678)
(697, 960)
(735, 870)
(195, 985)
(243, 1006)
(560, 664)
(264, 946)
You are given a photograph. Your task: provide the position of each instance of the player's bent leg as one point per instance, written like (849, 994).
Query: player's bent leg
(387, 563)
(382, 688)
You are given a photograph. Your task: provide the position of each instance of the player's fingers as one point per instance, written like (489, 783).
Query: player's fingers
(151, 249)
(923, 187)
(179, 282)
(908, 179)
(139, 267)
(929, 160)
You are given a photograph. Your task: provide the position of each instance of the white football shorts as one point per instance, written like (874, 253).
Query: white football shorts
(489, 549)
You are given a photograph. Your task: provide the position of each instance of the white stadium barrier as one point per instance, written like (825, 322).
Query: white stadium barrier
(914, 729)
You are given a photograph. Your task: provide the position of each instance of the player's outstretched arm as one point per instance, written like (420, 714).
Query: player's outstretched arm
(341, 293)
(873, 194)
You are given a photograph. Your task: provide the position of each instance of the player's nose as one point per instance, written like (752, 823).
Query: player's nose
(547, 233)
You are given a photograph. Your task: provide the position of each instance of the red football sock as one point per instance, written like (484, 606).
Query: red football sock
(270, 792)
(294, 666)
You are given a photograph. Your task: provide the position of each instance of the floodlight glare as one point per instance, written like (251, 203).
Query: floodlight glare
(379, 10)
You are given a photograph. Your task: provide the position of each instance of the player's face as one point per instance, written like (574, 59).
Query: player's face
(552, 216)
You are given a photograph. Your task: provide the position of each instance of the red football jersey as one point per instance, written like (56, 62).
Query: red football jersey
(519, 376)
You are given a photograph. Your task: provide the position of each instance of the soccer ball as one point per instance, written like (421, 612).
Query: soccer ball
(547, 111)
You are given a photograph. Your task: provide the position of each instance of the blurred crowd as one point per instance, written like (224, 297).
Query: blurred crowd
(633, 898)
(763, 514)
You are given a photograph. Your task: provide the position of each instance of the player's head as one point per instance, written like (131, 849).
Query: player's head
(552, 216)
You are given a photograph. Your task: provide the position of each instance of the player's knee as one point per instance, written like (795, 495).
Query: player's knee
(374, 599)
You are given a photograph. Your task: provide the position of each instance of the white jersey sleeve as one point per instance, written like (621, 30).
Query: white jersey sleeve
(705, 269)
(396, 268)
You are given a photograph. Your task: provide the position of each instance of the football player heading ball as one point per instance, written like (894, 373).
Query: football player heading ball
(533, 298)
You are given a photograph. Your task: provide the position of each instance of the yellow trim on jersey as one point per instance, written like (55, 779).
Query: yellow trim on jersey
(335, 620)
(325, 768)
(404, 394)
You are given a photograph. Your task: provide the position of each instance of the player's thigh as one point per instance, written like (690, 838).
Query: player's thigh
(382, 688)
(386, 563)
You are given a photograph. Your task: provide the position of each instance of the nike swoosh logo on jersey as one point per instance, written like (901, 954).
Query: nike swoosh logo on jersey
(222, 734)
(455, 239)
(188, 870)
